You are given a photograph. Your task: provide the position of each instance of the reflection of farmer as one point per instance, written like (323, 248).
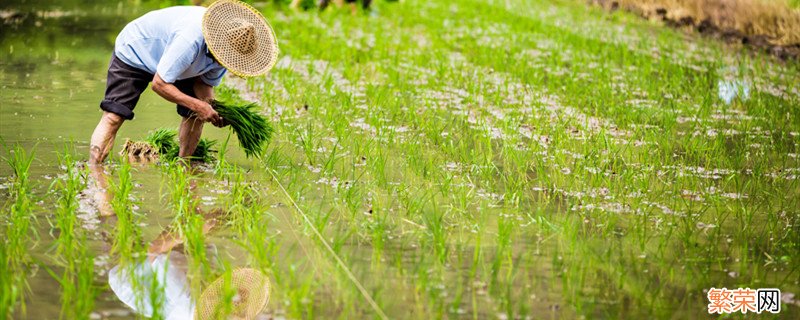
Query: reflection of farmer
(183, 52)
(165, 268)
(168, 268)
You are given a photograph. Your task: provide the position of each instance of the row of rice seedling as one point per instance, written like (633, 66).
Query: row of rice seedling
(127, 242)
(73, 255)
(211, 275)
(17, 235)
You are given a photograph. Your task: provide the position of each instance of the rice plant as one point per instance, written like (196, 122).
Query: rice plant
(193, 231)
(74, 256)
(127, 242)
(164, 140)
(17, 234)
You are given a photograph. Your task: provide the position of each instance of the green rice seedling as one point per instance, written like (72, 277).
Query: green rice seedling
(377, 227)
(306, 138)
(502, 254)
(21, 214)
(227, 293)
(261, 246)
(204, 151)
(253, 130)
(78, 290)
(246, 216)
(193, 232)
(180, 185)
(223, 166)
(155, 286)
(238, 199)
(300, 292)
(127, 242)
(17, 233)
(437, 233)
(66, 209)
(164, 140)
(188, 222)
(12, 284)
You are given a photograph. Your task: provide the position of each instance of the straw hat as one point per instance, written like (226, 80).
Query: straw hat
(240, 38)
(251, 296)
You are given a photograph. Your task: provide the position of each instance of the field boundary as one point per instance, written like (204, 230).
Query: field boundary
(763, 27)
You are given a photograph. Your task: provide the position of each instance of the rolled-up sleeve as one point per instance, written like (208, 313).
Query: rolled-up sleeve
(178, 56)
(214, 76)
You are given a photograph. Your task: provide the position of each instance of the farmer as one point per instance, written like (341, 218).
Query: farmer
(184, 52)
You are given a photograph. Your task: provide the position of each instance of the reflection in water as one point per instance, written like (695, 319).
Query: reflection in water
(730, 89)
(158, 285)
(169, 271)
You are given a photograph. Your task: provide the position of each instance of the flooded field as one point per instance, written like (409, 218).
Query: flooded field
(431, 159)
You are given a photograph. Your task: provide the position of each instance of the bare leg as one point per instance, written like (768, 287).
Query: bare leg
(102, 197)
(189, 136)
(103, 137)
(101, 143)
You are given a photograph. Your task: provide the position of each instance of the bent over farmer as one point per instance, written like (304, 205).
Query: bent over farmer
(183, 52)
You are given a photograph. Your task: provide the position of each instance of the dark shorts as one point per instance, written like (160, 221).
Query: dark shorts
(125, 84)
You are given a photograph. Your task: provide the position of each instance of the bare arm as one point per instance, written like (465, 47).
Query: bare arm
(202, 108)
(203, 91)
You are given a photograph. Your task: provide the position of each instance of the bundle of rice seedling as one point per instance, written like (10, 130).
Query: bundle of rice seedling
(162, 143)
(252, 129)
(164, 140)
(203, 152)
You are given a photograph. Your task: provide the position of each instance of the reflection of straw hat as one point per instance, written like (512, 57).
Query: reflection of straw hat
(240, 38)
(250, 289)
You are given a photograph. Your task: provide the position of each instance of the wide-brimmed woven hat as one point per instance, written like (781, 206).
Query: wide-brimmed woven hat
(250, 294)
(240, 38)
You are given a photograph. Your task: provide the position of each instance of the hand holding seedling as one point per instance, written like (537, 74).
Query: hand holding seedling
(252, 129)
(207, 114)
(205, 93)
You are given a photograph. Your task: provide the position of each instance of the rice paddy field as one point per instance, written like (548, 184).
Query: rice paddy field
(430, 159)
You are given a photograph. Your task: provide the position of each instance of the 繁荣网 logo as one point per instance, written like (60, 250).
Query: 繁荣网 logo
(744, 300)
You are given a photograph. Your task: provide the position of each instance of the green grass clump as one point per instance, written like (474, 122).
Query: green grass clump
(252, 129)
